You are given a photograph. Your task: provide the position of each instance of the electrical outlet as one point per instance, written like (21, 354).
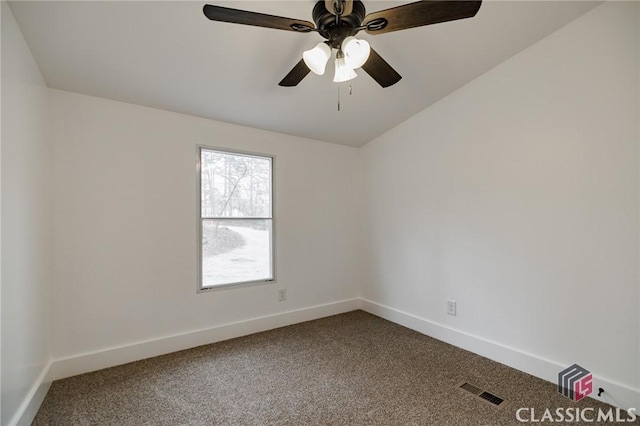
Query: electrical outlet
(282, 294)
(451, 307)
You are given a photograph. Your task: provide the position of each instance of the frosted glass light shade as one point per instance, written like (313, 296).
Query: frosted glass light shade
(343, 71)
(316, 59)
(356, 52)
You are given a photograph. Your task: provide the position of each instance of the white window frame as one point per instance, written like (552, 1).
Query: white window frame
(272, 248)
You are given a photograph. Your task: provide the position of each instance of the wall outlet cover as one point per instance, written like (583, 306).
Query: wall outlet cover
(451, 307)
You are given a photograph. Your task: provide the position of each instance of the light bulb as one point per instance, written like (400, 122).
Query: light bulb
(343, 71)
(356, 52)
(316, 59)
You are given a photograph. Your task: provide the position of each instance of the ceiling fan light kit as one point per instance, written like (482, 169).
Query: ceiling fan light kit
(356, 52)
(338, 21)
(316, 59)
(352, 54)
(343, 71)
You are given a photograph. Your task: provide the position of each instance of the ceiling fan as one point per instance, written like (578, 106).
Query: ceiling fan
(338, 21)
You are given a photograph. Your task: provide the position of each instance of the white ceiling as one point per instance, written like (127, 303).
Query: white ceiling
(168, 55)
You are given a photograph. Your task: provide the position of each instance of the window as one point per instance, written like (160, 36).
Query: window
(235, 218)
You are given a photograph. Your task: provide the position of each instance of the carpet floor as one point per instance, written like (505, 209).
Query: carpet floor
(349, 369)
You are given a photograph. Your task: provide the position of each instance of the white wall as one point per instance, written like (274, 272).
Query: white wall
(517, 196)
(125, 224)
(25, 240)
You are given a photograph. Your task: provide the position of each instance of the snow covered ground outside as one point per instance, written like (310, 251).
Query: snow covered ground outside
(249, 262)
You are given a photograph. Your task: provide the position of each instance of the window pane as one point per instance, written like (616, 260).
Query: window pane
(235, 251)
(235, 185)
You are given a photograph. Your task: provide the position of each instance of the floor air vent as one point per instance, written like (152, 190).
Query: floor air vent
(482, 395)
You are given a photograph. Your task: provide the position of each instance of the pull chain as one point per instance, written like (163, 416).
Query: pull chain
(350, 93)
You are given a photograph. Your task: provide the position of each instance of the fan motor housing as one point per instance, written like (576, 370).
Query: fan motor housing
(336, 28)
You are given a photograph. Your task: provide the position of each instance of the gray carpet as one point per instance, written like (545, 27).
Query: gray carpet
(349, 369)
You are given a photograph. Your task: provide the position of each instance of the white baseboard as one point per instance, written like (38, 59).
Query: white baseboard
(31, 404)
(616, 394)
(85, 363)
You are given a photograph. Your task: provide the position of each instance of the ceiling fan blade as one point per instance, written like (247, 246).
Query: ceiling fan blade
(380, 70)
(296, 75)
(236, 16)
(420, 13)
